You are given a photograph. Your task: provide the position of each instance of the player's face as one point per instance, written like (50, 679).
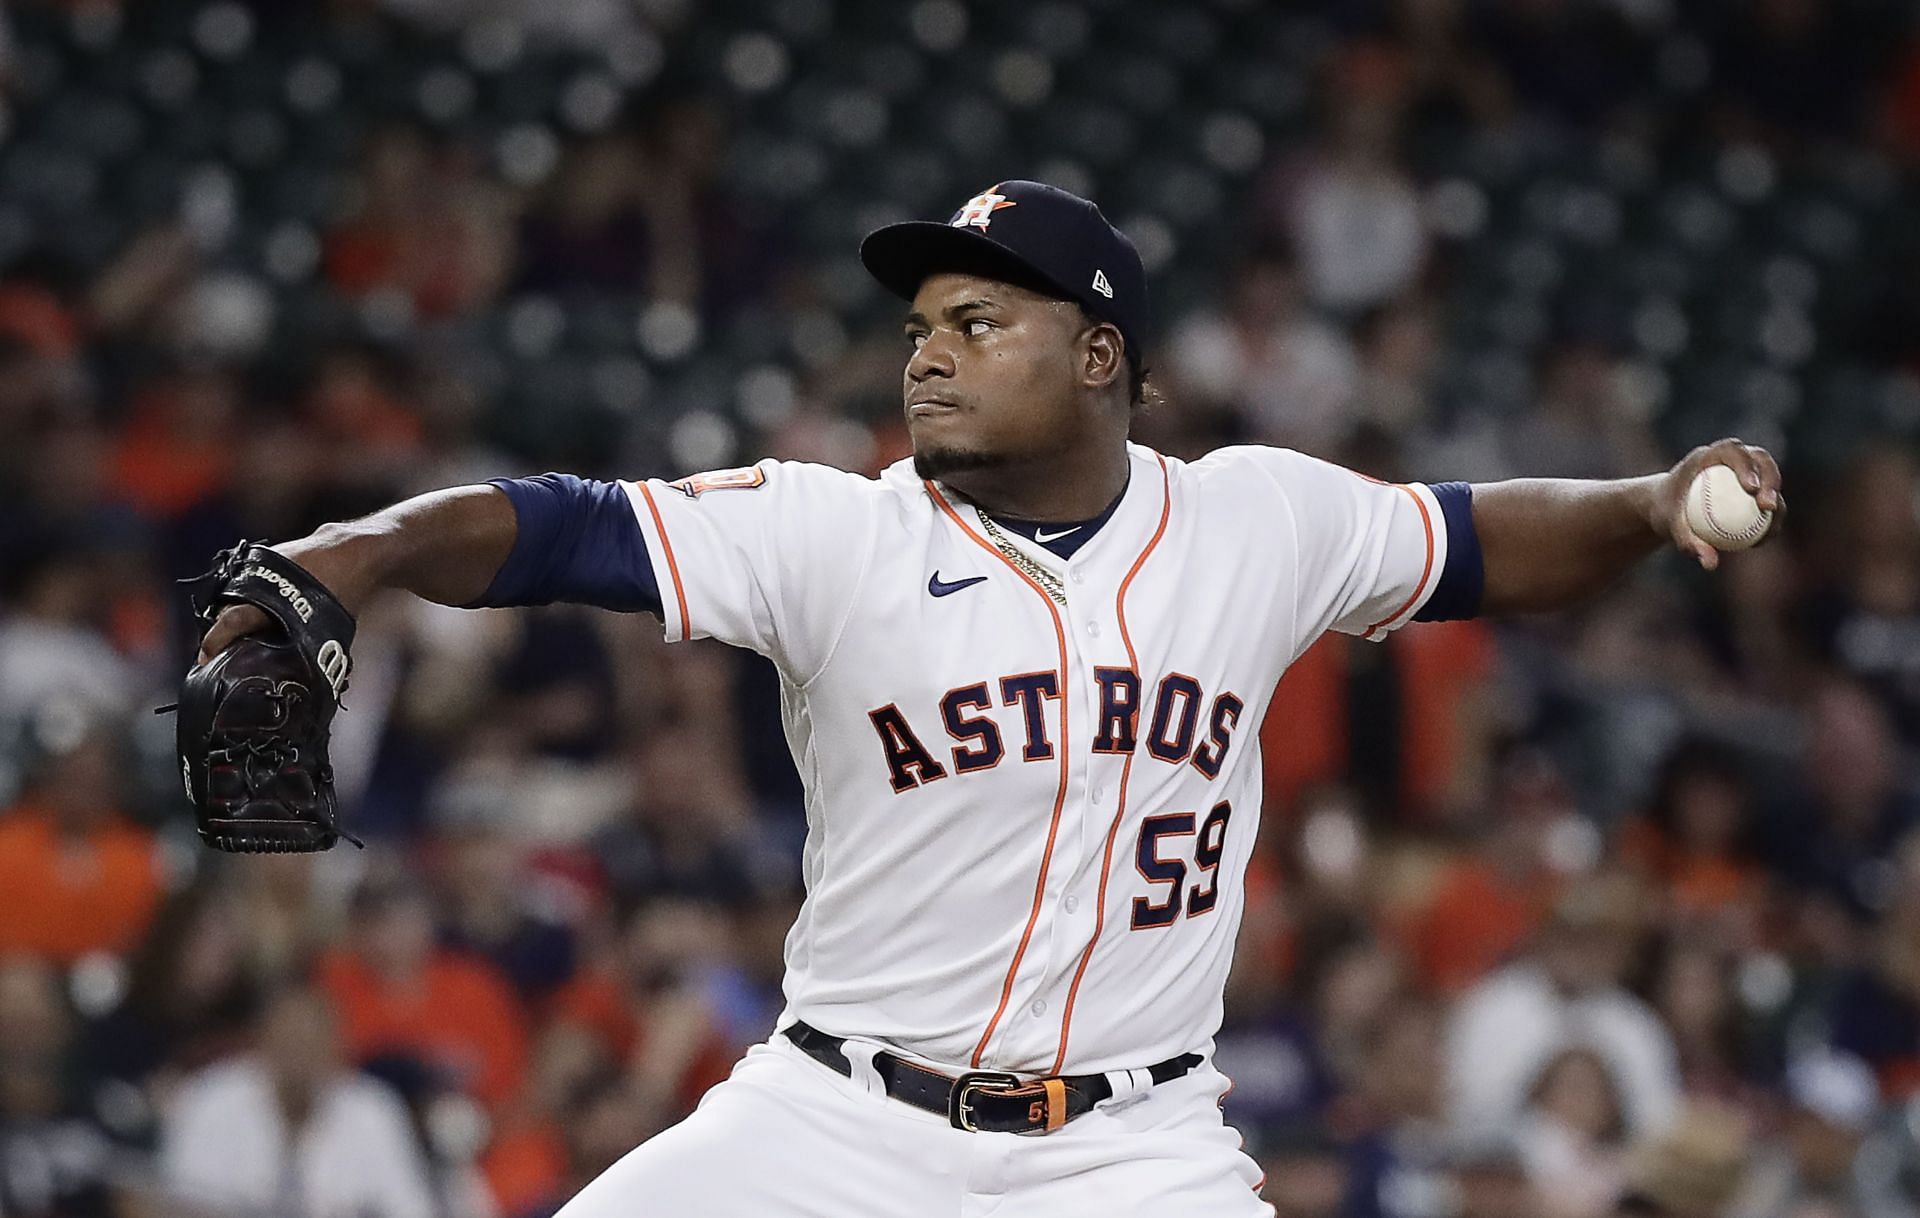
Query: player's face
(993, 379)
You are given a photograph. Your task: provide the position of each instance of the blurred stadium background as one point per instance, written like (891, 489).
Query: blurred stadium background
(1545, 912)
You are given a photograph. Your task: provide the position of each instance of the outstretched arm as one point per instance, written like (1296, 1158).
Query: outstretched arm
(446, 546)
(1550, 543)
(515, 541)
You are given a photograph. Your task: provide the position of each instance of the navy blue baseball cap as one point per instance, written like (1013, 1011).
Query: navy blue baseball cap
(1028, 233)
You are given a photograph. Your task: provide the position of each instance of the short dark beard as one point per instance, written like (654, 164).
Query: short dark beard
(940, 462)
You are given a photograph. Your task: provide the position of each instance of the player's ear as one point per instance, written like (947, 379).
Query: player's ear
(1105, 356)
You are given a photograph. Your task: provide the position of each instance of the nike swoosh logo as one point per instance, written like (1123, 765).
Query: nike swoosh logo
(1042, 536)
(939, 587)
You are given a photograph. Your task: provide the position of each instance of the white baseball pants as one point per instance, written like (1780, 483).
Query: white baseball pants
(786, 1136)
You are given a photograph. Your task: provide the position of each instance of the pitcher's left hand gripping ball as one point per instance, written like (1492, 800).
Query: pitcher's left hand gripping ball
(254, 720)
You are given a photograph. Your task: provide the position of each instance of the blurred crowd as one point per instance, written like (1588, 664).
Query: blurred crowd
(1611, 913)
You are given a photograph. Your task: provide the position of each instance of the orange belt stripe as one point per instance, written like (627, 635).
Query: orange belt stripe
(1056, 1103)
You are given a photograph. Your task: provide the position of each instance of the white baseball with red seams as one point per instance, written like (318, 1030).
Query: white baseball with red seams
(1029, 815)
(1721, 511)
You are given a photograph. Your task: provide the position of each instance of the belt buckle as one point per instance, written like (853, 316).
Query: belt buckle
(960, 1105)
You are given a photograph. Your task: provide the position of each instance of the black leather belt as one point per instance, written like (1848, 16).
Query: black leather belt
(990, 1101)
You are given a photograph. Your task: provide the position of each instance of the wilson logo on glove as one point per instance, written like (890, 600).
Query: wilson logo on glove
(301, 605)
(254, 721)
(334, 666)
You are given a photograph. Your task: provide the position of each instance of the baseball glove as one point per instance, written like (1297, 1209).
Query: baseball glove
(252, 722)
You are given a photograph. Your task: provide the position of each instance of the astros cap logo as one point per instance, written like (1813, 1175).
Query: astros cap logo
(979, 210)
(1057, 241)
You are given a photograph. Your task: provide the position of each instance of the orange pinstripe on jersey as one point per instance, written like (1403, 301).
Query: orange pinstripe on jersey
(1426, 522)
(1126, 768)
(673, 567)
(1065, 754)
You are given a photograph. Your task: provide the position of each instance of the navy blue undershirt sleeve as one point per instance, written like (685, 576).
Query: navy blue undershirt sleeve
(578, 542)
(1464, 578)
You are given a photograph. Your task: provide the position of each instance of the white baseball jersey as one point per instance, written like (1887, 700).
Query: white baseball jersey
(1029, 817)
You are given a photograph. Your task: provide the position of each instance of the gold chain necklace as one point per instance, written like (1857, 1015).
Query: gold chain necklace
(1050, 583)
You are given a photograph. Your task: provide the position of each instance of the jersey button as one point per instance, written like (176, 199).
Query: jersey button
(1079, 577)
(1098, 793)
(1093, 629)
(1072, 904)
(1039, 1007)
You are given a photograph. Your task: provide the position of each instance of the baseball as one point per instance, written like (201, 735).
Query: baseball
(1721, 511)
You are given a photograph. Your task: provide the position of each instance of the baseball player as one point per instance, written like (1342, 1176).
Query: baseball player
(1022, 675)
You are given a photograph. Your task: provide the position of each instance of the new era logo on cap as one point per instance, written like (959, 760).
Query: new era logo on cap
(1101, 285)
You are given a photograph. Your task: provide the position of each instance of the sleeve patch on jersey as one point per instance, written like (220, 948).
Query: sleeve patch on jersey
(1463, 578)
(749, 478)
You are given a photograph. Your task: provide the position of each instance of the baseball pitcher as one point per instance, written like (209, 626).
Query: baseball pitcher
(1022, 674)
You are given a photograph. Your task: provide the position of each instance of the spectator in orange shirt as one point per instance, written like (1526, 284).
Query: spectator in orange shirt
(1693, 840)
(176, 449)
(75, 877)
(429, 229)
(1398, 720)
(399, 994)
(643, 1010)
(604, 1121)
(637, 1018)
(1488, 902)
